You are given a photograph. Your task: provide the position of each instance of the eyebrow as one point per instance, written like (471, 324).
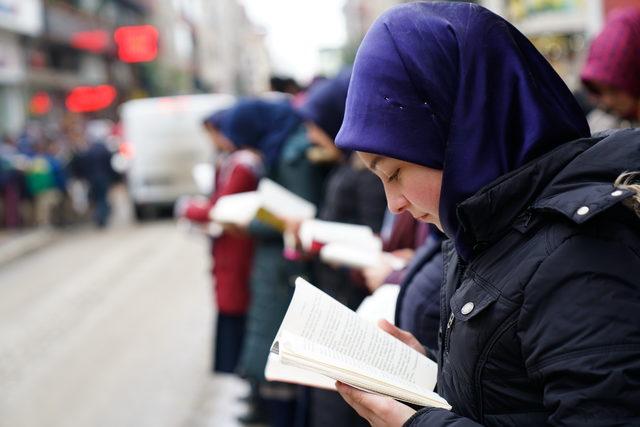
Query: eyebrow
(374, 162)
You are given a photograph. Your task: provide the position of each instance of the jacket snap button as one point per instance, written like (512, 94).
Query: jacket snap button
(617, 193)
(583, 211)
(467, 308)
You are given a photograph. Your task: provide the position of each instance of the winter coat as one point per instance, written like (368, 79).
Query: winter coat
(418, 304)
(231, 254)
(542, 325)
(272, 276)
(354, 196)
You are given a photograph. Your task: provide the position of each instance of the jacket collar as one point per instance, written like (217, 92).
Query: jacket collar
(574, 180)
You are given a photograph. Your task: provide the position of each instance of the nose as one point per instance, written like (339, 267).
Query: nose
(396, 202)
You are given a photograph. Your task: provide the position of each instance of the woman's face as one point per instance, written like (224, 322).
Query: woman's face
(220, 141)
(616, 101)
(408, 186)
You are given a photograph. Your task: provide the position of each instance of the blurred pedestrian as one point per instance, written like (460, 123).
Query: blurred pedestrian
(274, 130)
(470, 129)
(92, 162)
(612, 71)
(45, 182)
(11, 183)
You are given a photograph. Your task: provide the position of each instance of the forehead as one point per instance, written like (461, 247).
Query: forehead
(373, 161)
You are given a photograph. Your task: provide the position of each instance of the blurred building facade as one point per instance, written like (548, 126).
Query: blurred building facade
(231, 51)
(560, 29)
(51, 47)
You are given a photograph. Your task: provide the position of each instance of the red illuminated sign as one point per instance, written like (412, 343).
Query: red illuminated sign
(40, 104)
(84, 99)
(94, 41)
(137, 43)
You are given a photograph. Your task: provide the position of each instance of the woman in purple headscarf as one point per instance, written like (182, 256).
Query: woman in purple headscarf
(470, 129)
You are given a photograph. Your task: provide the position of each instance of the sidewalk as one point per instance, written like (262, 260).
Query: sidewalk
(15, 244)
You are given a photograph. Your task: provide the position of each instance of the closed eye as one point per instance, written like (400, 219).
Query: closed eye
(394, 176)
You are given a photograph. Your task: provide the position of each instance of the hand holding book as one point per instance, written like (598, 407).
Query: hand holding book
(320, 340)
(380, 411)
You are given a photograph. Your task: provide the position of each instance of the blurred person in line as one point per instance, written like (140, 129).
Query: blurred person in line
(418, 303)
(353, 195)
(611, 73)
(45, 181)
(12, 182)
(275, 130)
(471, 130)
(401, 235)
(91, 162)
(236, 171)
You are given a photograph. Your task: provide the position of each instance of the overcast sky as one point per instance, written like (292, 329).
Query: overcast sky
(296, 29)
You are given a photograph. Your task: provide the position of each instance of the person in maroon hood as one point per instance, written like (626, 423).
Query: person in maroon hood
(612, 71)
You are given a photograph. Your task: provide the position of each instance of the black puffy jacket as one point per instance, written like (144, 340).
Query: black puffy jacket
(542, 325)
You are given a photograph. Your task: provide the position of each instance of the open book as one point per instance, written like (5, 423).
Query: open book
(320, 340)
(269, 203)
(315, 233)
(348, 245)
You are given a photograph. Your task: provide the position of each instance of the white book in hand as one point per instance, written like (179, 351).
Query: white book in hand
(323, 232)
(270, 203)
(321, 340)
(358, 256)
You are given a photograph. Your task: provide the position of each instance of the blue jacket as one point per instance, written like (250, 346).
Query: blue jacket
(418, 305)
(542, 325)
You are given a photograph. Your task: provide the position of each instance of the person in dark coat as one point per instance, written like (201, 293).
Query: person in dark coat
(276, 132)
(92, 163)
(353, 195)
(470, 129)
(418, 303)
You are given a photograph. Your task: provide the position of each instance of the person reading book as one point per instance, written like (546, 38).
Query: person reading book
(236, 171)
(276, 132)
(470, 129)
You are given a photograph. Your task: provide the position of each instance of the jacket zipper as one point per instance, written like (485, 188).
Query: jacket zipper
(447, 333)
(460, 273)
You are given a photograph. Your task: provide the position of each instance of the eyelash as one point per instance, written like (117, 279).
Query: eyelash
(394, 176)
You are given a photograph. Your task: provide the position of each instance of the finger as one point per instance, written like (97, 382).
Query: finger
(374, 408)
(349, 395)
(393, 330)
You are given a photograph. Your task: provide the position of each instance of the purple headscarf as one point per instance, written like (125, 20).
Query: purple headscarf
(452, 86)
(261, 124)
(215, 120)
(324, 104)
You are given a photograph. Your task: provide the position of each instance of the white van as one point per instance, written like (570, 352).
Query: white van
(166, 140)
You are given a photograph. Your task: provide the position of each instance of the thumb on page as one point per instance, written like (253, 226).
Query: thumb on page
(404, 336)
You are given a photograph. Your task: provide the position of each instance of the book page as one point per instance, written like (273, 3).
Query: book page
(239, 208)
(277, 371)
(283, 203)
(317, 317)
(298, 352)
(329, 231)
(380, 305)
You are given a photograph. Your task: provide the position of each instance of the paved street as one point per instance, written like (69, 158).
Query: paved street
(111, 329)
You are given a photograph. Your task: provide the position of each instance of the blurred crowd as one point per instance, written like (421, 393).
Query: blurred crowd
(55, 174)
